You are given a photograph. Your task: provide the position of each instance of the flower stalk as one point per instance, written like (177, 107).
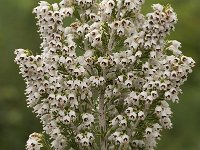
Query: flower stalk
(105, 81)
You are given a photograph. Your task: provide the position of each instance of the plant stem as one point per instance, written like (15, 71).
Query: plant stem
(138, 121)
(102, 119)
(112, 35)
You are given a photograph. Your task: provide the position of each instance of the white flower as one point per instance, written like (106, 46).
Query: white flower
(88, 118)
(158, 7)
(132, 116)
(123, 123)
(119, 140)
(85, 141)
(125, 138)
(141, 115)
(34, 142)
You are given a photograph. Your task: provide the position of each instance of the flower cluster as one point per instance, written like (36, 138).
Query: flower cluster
(34, 142)
(106, 79)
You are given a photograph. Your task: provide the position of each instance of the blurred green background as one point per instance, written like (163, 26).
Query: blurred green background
(18, 30)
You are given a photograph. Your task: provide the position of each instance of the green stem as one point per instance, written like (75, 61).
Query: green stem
(46, 143)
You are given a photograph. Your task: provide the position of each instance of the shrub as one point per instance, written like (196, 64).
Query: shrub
(105, 80)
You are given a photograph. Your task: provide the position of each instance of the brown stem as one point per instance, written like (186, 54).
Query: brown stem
(102, 119)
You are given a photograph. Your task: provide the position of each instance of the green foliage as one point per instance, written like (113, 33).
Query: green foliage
(18, 29)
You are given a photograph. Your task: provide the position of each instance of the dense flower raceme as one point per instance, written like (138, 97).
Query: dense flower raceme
(105, 80)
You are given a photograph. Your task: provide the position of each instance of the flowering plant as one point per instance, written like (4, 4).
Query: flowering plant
(103, 81)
